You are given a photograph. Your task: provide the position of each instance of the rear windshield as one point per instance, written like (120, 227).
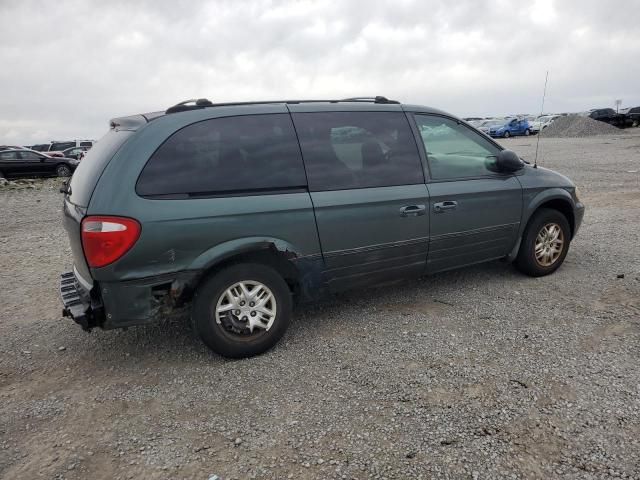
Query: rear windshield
(93, 164)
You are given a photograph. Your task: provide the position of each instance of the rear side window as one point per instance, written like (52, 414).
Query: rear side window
(347, 150)
(86, 144)
(8, 156)
(250, 153)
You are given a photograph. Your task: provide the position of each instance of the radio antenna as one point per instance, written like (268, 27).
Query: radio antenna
(544, 94)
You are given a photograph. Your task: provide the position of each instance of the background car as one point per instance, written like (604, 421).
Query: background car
(476, 122)
(607, 115)
(27, 163)
(56, 146)
(40, 147)
(512, 127)
(542, 122)
(74, 152)
(485, 125)
(631, 116)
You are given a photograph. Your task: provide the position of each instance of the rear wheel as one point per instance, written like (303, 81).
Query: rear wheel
(243, 310)
(545, 243)
(527, 132)
(63, 171)
(507, 134)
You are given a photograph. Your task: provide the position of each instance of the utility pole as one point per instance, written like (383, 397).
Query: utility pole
(618, 103)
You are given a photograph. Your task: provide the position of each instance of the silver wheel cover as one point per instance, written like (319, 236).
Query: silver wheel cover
(248, 303)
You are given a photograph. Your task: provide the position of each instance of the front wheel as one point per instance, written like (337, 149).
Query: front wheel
(507, 134)
(545, 243)
(63, 171)
(243, 310)
(527, 132)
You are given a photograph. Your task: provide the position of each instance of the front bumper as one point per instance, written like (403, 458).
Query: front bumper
(79, 304)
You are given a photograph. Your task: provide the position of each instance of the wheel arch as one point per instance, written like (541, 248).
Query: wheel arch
(556, 199)
(301, 272)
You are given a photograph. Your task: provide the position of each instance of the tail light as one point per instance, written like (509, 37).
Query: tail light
(106, 239)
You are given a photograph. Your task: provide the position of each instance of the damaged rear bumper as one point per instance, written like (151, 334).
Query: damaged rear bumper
(122, 304)
(79, 304)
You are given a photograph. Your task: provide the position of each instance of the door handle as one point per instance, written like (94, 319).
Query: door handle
(442, 206)
(413, 210)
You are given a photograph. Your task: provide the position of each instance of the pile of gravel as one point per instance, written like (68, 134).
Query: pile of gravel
(578, 126)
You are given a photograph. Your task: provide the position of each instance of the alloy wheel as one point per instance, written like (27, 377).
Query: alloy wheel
(549, 244)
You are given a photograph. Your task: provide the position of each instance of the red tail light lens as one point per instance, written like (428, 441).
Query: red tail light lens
(106, 239)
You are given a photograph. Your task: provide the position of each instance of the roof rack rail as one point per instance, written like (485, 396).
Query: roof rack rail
(203, 102)
(184, 106)
(376, 99)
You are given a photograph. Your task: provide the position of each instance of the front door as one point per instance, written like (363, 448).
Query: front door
(475, 211)
(370, 201)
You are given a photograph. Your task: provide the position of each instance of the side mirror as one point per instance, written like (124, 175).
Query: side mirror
(508, 161)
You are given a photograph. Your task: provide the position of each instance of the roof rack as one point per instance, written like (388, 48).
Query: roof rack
(376, 99)
(184, 106)
(203, 102)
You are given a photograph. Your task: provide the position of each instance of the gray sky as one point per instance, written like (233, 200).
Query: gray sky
(70, 66)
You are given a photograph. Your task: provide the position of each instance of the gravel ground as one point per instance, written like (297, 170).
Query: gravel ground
(477, 373)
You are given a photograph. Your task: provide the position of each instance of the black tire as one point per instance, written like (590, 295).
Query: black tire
(63, 170)
(221, 339)
(527, 132)
(507, 134)
(526, 261)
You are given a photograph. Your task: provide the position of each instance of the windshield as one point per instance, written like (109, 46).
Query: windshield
(544, 118)
(493, 123)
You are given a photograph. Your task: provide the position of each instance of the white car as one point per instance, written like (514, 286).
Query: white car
(542, 122)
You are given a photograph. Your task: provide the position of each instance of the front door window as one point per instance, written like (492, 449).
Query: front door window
(454, 150)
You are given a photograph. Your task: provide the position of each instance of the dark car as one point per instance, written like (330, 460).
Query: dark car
(607, 115)
(243, 208)
(631, 116)
(29, 163)
(40, 147)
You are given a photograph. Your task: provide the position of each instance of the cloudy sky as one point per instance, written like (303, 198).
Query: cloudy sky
(70, 66)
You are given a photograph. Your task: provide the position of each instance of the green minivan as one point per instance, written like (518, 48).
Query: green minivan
(244, 208)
